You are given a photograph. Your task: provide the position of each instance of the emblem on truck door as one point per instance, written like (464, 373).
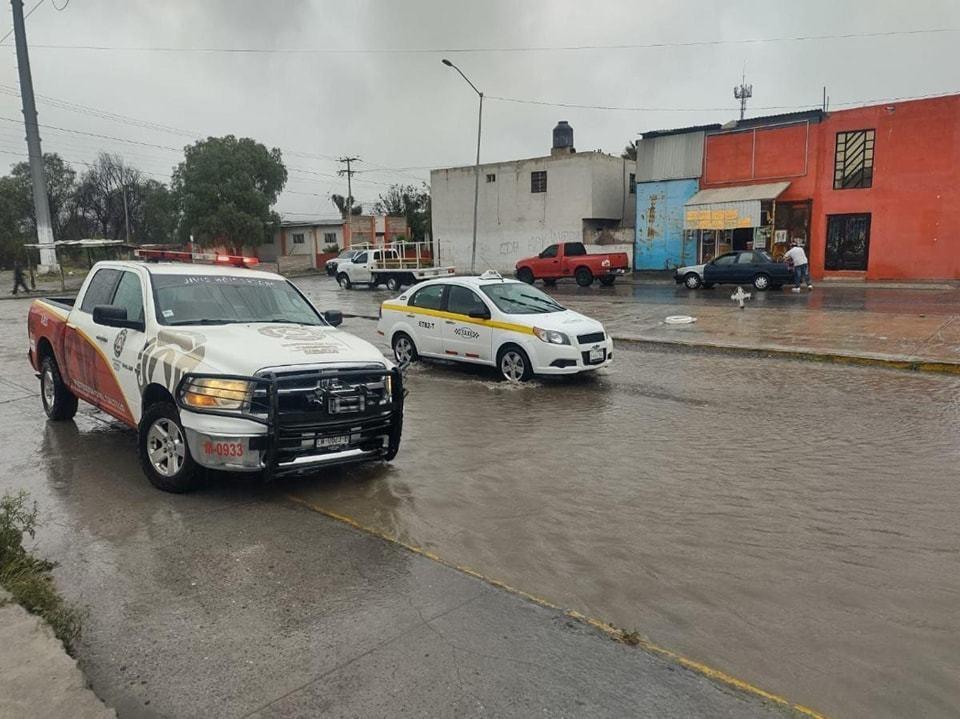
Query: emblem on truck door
(119, 342)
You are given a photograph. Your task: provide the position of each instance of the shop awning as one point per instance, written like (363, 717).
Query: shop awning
(727, 208)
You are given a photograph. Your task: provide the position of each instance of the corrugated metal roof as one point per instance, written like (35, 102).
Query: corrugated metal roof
(680, 130)
(740, 193)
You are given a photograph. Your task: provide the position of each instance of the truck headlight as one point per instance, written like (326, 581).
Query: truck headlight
(215, 393)
(551, 336)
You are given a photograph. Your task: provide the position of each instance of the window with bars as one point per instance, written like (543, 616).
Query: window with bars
(633, 184)
(538, 181)
(298, 238)
(853, 163)
(330, 238)
(491, 177)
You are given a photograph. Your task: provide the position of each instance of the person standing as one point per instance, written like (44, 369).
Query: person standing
(18, 278)
(801, 267)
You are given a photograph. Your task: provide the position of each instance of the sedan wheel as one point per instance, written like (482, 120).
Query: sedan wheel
(761, 282)
(404, 349)
(692, 281)
(514, 365)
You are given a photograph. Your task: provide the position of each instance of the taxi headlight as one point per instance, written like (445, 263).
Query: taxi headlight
(212, 393)
(551, 336)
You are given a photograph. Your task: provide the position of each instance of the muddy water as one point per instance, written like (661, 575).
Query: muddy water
(790, 523)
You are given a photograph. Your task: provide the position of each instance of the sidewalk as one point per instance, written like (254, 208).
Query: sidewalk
(899, 340)
(37, 677)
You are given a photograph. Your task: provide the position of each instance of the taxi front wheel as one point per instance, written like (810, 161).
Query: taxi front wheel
(404, 349)
(513, 364)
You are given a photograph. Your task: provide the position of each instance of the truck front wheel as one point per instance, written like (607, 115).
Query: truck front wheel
(58, 401)
(525, 274)
(344, 281)
(164, 454)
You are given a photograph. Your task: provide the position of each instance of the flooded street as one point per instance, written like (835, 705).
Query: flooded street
(791, 523)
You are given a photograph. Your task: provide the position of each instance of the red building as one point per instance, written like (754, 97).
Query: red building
(872, 192)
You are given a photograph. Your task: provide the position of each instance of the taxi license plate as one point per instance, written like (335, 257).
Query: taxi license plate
(596, 354)
(337, 440)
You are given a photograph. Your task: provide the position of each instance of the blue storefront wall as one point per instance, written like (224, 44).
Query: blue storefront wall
(659, 242)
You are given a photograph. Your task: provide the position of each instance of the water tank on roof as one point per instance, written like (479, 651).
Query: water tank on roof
(563, 136)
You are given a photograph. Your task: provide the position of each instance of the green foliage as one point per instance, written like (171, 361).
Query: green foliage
(29, 578)
(12, 222)
(630, 151)
(224, 189)
(342, 203)
(332, 248)
(411, 202)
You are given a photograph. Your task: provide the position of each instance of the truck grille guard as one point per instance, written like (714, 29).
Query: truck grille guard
(301, 407)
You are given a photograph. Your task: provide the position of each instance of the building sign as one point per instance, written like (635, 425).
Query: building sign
(722, 216)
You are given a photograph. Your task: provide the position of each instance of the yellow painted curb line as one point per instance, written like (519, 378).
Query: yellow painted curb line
(705, 670)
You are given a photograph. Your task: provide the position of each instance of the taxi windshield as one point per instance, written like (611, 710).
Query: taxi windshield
(228, 299)
(518, 298)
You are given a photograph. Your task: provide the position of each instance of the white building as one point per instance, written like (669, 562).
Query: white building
(302, 237)
(526, 205)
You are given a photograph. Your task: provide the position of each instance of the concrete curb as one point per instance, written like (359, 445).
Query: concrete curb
(913, 365)
(37, 676)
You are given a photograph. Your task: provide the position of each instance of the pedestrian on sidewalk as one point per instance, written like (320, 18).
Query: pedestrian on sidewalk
(801, 267)
(18, 278)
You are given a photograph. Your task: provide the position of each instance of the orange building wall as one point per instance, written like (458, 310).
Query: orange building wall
(915, 198)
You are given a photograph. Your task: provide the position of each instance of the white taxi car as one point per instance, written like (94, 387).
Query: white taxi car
(490, 320)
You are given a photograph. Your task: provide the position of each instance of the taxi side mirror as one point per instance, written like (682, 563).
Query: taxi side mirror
(480, 314)
(334, 318)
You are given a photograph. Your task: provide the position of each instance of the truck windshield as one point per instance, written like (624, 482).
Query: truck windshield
(518, 298)
(229, 299)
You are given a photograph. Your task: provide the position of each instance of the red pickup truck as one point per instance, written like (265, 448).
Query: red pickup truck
(571, 259)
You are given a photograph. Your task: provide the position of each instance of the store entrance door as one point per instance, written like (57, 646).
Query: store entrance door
(848, 242)
(743, 238)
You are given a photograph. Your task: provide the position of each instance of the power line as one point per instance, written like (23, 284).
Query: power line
(507, 49)
(28, 14)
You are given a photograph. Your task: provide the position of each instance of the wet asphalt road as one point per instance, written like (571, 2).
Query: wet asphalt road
(790, 523)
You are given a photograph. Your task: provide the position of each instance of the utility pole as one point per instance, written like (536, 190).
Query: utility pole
(476, 167)
(349, 173)
(347, 227)
(48, 254)
(743, 93)
(126, 214)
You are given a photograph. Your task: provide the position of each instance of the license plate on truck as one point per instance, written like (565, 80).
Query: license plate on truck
(596, 355)
(337, 440)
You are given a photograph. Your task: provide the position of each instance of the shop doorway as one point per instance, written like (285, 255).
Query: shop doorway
(848, 242)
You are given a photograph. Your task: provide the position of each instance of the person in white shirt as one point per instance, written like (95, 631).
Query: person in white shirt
(801, 268)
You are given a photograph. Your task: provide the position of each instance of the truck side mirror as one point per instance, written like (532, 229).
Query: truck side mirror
(334, 318)
(115, 316)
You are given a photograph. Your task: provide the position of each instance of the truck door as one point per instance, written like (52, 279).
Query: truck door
(426, 326)
(466, 336)
(571, 250)
(547, 263)
(359, 268)
(84, 346)
(123, 347)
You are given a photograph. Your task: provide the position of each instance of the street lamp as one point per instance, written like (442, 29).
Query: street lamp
(476, 172)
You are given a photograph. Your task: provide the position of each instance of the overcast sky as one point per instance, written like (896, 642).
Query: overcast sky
(404, 112)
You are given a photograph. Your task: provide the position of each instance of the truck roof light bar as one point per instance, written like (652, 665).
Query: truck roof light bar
(210, 258)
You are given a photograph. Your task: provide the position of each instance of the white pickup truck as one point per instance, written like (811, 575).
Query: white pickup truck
(389, 266)
(216, 366)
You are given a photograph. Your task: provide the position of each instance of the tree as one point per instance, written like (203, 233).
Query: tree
(411, 202)
(224, 189)
(99, 208)
(343, 203)
(61, 187)
(14, 226)
(630, 151)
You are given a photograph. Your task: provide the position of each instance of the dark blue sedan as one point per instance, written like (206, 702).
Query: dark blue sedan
(755, 267)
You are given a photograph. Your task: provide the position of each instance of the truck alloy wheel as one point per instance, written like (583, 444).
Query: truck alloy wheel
(344, 280)
(583, 276)
(58, 401)
(164, 454)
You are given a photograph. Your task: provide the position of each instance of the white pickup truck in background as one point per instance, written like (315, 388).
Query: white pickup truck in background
(394, 267)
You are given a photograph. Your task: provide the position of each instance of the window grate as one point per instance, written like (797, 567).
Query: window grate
(853, 162)
(491, 177)
(538, 181)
